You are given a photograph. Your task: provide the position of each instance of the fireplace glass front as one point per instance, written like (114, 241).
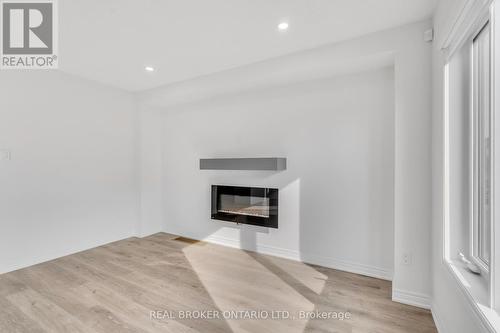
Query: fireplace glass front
(246, 205)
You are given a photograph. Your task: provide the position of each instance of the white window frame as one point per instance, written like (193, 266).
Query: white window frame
(476, 207)
(495, 107)
(471, 19)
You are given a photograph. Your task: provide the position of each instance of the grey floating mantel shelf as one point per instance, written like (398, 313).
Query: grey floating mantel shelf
(270, 163)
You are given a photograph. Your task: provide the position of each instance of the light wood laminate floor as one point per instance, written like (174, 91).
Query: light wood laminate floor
(114, 288)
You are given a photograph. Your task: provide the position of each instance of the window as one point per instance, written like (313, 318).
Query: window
(471, 158)
(481, 150)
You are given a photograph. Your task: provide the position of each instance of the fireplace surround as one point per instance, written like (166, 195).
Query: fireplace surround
(245, 205)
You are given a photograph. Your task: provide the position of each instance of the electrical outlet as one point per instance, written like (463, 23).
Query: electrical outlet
(4, 155)
(407, 258)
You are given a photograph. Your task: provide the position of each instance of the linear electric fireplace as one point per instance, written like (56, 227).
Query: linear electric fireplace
(245, 205)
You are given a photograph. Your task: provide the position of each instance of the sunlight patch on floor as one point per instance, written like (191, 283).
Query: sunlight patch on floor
(245, 291)
(303, 273)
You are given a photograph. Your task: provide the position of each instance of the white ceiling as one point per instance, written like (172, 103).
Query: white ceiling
(112, 40)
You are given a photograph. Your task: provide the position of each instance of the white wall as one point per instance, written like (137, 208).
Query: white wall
(450, 307)
(411, 57)
(151, 170)
(337, 194)
(71, 183)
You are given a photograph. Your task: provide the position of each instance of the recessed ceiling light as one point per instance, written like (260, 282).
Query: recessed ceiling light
(149, 69)
(283, 26)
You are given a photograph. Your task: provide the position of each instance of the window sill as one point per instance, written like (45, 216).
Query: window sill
(476, 291)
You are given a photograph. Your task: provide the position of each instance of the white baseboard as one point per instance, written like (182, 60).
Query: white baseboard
(436, 315)
(264, 249)
(348, 266)
(411, 298)
(308, 258)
